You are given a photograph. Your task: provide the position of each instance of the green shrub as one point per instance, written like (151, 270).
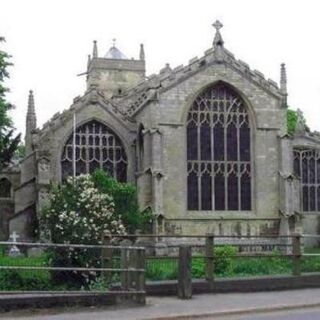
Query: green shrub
(16, 280)
(224, 259)
(10, 280)
(198, 268)
(125, 202)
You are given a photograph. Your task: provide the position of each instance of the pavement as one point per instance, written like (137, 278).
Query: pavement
(202, 306)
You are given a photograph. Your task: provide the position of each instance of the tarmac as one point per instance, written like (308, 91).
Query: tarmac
(202, 306)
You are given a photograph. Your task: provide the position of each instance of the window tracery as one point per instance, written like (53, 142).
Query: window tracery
(219, 151)
(97, 147)
(307, 168)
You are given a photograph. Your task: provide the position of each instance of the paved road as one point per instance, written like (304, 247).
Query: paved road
(303, 314)
(211, 305)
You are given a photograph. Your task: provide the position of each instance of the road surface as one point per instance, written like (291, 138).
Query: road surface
(285, 305)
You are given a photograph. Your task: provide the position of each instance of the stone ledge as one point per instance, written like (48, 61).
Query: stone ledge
(14, 301)
(248, 284)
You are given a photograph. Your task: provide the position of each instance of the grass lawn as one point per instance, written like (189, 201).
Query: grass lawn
(24, 279)
(228, 265)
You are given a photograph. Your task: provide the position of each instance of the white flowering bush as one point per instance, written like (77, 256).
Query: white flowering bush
(78, 213)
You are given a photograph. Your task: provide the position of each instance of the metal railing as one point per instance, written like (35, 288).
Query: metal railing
(70, 268)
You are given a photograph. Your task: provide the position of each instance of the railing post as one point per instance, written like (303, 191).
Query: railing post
(210, 259)
(296, 251)
(106, 257)
(185, 277)
(140, 278)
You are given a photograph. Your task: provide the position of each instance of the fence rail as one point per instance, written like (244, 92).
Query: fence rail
(123, 268)
(71, 268)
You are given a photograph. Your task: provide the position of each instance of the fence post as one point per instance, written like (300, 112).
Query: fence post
(296, 251)
(124, 264)
(106, 257)
(184, 277)
(140, 277)
(210, 259)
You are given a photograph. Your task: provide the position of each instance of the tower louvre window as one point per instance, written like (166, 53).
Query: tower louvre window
(97, 147)
(219, 151)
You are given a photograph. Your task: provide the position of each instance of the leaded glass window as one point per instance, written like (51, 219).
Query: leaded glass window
(96, 147)
(219, 151)
(307, 168)
(5, 188)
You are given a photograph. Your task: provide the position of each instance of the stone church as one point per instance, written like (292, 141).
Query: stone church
(206, 144)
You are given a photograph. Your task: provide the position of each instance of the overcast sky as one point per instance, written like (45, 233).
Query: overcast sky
(49, 41)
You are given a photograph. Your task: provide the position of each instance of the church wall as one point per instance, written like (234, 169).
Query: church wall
(28, 168)
(24, 224)
(24, 196)
(144, 178)
(269, 120)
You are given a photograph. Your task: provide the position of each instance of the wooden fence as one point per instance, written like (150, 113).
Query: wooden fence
(291, 245)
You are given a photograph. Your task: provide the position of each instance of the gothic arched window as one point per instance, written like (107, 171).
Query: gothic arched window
(307, 168)
(5, 188)
(96, 147)
(219, 151)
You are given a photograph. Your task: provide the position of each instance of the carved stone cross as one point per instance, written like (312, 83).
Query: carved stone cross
(217, 25)
(14, 250)
(14, 236)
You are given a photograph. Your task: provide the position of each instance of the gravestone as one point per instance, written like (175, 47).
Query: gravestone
(14, 251)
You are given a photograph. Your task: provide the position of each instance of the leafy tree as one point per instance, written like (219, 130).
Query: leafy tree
(292, 119)
(21, 151)
(8, 142)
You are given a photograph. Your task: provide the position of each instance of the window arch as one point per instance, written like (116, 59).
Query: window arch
(5, 188)
(307, 168)
(219, 151)
(96, 147)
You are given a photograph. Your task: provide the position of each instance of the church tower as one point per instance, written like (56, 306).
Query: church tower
(31, 123)
(114, 73)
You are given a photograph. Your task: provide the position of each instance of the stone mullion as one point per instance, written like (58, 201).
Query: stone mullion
(238, 163)
(213, 205)
(101, 148)
(114, 158)
(199, 161)
(87, 151)
(316, 179)
(308, 183)
(302, 182)
(251, 170)
(225, 120)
